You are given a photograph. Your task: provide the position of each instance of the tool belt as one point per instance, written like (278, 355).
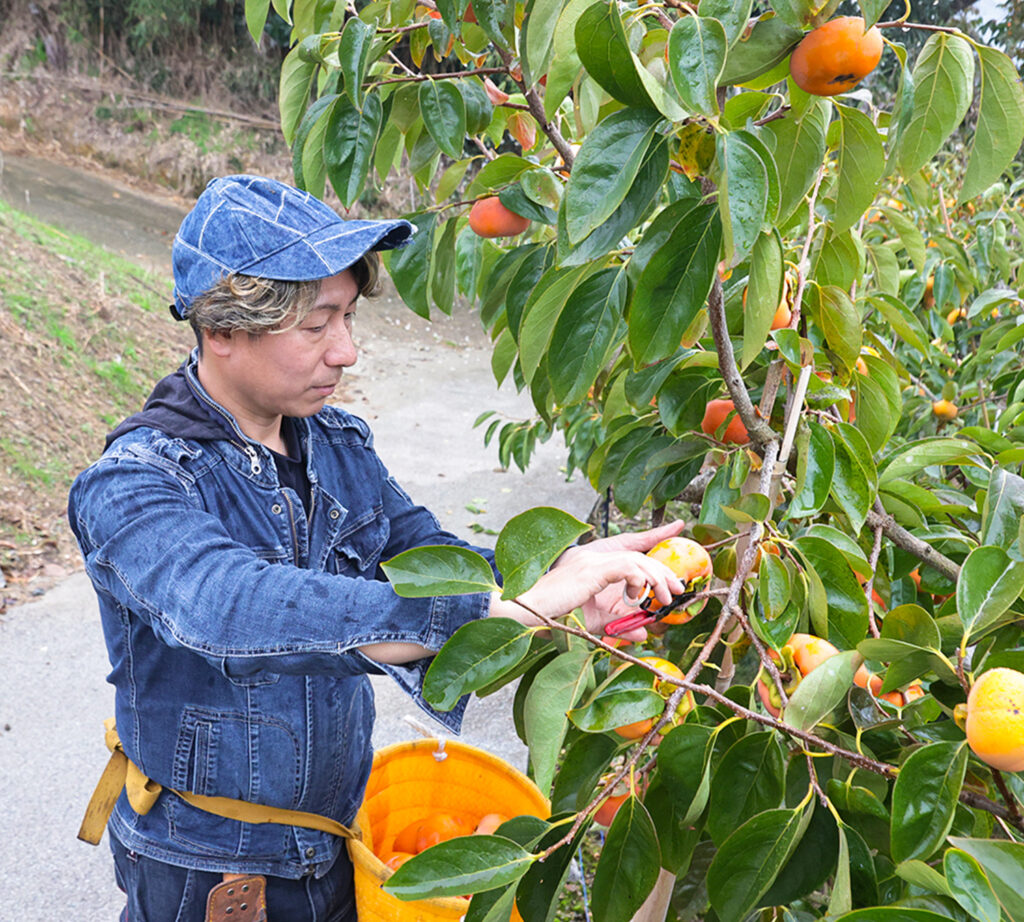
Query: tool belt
(123, 774)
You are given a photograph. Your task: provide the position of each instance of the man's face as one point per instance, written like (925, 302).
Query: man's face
(293, 372)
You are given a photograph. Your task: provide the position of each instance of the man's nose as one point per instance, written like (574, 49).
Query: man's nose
(341, 349)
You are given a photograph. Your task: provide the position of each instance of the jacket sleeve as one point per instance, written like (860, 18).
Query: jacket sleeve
(153, 550)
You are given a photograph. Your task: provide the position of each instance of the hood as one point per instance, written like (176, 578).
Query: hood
(174, 409)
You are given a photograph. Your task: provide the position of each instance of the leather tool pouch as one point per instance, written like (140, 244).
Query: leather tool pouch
(241, 899)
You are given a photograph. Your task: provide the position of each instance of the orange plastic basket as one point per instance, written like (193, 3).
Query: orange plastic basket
(409, 781)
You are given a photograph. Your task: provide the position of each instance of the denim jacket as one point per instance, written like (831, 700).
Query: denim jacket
(233, 623)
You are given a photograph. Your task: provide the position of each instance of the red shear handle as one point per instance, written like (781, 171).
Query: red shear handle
(629, 622)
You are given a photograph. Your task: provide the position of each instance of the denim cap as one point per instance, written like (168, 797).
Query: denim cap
(251, 225)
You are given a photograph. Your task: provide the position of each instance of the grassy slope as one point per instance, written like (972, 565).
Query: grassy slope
(84, 334)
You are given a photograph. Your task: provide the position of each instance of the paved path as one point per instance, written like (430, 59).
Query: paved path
(420, 386)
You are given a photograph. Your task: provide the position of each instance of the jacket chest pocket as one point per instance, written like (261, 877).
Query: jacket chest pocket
(357, 550)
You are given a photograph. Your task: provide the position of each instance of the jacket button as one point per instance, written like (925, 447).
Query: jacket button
(277, 509)
(334, 513)
(310, 852)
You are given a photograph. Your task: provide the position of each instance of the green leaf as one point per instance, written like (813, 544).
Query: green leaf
(581, 769)
(468, 864)
(847, 621)
(799, 151)
(628, 867)
(841, 899)
(851, 488)
(814, 471)
(542, 312)
(751, 507)
(892, 914)
(603, 47)
(990, 582)
(743, 194)
(902, 320)
(588, 330)
(684, 759)
(605, 168)
(554, 692)
(764, 294)
(538, 889)
(910, 236)
(625, 697)
(732, 14)
(492, 16)
(1003, 863)
(444, 115)
(749, 779)
(348, 146)
(536, 37)
(872, 11)
(773, 585)
(679, 254)
(969, 885)
(498, 173)
(841, 323)
(1000, 129)
(440, 569)
(914, 456)
(696, 53)
(750, 859)
(293, 93)
(256, 12)
(756, 53)
(475, 655)
(308, 147)
(479, 108)
(354, 55)
(409, 266)
(1003, 509)
(861, 165)
(821, 690)
(943, 86)
(530, 543)
(924, 799)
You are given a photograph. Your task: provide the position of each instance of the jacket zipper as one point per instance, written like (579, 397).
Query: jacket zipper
(291, 523)
(254, 459)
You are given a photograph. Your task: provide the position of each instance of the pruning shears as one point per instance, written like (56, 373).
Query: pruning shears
(643, 616)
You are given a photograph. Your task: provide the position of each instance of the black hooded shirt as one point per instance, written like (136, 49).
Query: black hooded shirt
(175, 409)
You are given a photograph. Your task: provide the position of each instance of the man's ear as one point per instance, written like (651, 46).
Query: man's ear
(219, 342)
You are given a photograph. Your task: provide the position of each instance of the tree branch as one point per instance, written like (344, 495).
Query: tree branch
(920, 549)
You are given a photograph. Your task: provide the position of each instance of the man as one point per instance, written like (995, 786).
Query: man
(233, 531)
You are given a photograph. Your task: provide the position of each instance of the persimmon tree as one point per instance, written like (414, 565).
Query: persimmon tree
(679, 186)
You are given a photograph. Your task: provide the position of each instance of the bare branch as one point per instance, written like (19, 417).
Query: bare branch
(920, 549)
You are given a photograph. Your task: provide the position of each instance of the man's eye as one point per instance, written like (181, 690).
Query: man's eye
(316, 329)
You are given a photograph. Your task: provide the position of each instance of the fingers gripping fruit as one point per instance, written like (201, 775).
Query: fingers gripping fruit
(800, 655)
(692, 564)
(835, 57)
(640, 728)
(995, 719)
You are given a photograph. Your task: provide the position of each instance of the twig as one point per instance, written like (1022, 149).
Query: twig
(456, 75)
(920, 549)
(869, 586)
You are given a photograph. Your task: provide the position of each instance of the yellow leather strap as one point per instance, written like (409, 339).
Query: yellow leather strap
(121, 773)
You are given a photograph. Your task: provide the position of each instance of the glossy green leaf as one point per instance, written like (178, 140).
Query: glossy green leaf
(851, 487)
(799, 151)
(444, 114)
(628, 867)
(479, 108)
(943, 86)
(354, 55)
(409, 266)
(892, 914)
(468, 864)
(697, 48)
(821, 690)
(475, 655)
(589, 328)
(751, 507)
(768, 43)
(1003, 863)
(990, 582)
(910, 236)
(684, 758)
(536, 37)
(841, 898)
(542, 312)
(743, 194)
(308, 146)
(348, 146)
(498, 173)
(293, 93)
(732, 14)
(749, 779)
(912, 457)
(603, 48)
(847, 622)
(814, 472)
(553, 693)
(841, 323)
(530, 543)
(679, 254)
(924, 799)
(749, 860)
(539, 887)
(625, 697)
(256, 12)
(763, 296)
(493, 17)
(1003, 509)
(861, 165)
(969, 885)
(433, 570)
(581, 769)
(773, 585)
(1000, 128)
(607, 164)
(902, 320)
